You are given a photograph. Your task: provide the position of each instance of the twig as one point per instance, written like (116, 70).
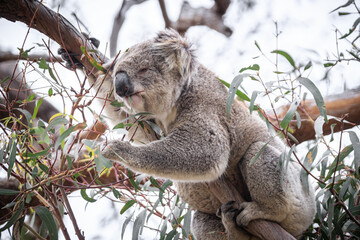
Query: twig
(71, 214)
(167, 21)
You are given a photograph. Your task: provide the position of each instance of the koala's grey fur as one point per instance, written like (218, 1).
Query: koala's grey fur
(200, 145)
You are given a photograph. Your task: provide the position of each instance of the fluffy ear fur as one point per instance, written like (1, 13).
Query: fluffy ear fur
(176, 51)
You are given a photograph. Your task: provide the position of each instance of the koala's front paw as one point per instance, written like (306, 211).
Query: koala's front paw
(114, 150)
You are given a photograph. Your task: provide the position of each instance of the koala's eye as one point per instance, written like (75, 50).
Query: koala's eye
(143, 70)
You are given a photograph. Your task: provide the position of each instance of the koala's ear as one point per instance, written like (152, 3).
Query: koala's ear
(176, 50)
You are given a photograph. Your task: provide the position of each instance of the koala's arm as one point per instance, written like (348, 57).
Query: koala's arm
(191, 154)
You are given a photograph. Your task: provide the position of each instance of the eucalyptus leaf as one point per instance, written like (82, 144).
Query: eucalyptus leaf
(285, 55)
(138, 224)
(316, 94)
(48, 220)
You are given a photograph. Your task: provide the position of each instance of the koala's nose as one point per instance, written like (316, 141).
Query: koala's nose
(123, 86)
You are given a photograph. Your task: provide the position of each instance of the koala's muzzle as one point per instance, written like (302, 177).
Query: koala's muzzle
(123, 86)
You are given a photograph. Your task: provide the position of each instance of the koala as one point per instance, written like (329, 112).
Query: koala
(162, 76)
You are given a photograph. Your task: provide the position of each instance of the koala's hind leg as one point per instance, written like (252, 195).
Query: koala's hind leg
(263, 179)
(210, 227)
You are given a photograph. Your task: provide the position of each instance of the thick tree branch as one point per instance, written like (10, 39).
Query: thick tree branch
(225, 192)
(189, 16)
(336, 105)
(49, 23)
(18, 91)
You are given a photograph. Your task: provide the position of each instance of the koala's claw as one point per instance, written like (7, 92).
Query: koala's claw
(247, 213)
(69, 58)
(228, 213)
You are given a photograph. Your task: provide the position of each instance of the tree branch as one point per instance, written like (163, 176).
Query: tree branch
(223, 189)
(8, 56)
(211, 18)
(118, 22)
(49, 23)
(336, 105)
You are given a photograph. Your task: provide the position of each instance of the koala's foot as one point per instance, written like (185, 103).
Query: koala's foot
(240, 214)
(228, 213)
(70, 58)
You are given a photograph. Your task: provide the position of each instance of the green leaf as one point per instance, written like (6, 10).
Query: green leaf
(36, 109)
(13, 218)
(44, 168)
(127, 205)
(57, 121)
(63, 136)
(48, 220)
(92, 60)
(318, 126)
(50, 92)
(171, 234)
(155, 183)
(101, 162)
(330, 216)
(328, 65)
(121, 125)
(239, 93)
(126, 222)
(37, 154)
(187, 221)
(348, 3)
(85, 196)
(356, 145)
(308, 160)
(116, 193)
(35, 172)
(131, 179)
(8, 192)
(43, 64)
(4, 80)
(308, 65)
(254, 67)
(290, 114)
(344, 188)
(11, 159)
(166, 184)
(344, 153)
(138, 224)
(117, 104)
(285, 55)
(343, 13)
(316, 94)
(298, 119)
(252, 161)
(2, 151)
(257, 45)
(252, 101)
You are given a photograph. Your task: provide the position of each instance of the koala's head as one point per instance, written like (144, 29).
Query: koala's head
(150, 76)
